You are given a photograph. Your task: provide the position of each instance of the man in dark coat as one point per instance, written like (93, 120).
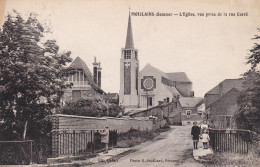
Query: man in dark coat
(195, 132)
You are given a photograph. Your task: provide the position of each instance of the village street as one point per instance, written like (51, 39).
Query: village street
(172, 148)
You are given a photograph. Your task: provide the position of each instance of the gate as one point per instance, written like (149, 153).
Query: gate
(235, 141)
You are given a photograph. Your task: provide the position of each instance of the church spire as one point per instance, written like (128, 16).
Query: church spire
(129, 43)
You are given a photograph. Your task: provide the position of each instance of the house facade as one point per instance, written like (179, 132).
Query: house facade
(84, 84)
(191, 109)
(221, 103)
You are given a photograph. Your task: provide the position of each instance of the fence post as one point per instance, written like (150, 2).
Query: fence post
(54, 135)
(31, 152)
(74, 143)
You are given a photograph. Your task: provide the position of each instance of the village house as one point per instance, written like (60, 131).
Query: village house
(192, 110)
(221, 103)
(85, 85)
(161, 114)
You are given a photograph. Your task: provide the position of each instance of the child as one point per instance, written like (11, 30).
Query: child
(204, 126)
(195, 132)
(205, 139)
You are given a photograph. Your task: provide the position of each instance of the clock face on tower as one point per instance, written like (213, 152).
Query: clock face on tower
(148, 83)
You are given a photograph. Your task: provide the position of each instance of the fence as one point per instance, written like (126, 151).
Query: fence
(16, 152)
(235, 141)
(79, 142)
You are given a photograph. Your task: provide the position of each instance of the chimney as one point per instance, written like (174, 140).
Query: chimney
(95, 72)
(99, 74)
(220, 88)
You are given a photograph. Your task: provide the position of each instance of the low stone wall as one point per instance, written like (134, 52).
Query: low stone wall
(63, 122)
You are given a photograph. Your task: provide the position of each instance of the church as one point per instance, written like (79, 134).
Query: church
(150, 86)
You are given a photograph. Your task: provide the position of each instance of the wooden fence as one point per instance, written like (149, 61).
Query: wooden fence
(235, 141)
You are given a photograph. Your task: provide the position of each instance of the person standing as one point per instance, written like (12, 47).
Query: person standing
(105, 137)
(195, 132)
(204, 126)
(205, 139)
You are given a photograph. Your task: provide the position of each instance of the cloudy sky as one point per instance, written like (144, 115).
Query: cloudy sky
(209, 49)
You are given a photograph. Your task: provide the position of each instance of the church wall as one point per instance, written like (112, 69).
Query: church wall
(184, 88)
(160, 93)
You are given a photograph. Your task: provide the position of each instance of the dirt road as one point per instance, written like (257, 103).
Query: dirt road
(172, 148)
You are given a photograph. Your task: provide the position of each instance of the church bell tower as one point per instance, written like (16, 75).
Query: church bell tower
(129, 70)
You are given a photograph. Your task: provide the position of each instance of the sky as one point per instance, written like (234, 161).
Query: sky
(209, 49)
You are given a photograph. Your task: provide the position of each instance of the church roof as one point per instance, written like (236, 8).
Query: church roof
(227, 84)
(179, 77)
(78, 63)
(149, 68)
(129, 43)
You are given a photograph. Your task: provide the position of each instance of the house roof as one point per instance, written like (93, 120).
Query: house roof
(225, 95)
(78, 63)
(227, 85)
(179, 76)
(190, 102)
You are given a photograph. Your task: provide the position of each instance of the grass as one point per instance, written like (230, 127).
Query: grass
(134, 137)
(233, 160)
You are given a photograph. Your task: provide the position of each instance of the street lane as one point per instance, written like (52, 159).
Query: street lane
(173, 148)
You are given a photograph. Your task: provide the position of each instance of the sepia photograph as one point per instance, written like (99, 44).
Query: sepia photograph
(129, 83)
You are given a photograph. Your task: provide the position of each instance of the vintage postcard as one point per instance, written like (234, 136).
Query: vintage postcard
(129, 82)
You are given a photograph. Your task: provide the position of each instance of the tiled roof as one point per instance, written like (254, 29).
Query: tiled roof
(225, 95)
(129, 43)
(227, 85)
(78, 63)
(179, 76)
(190, 101)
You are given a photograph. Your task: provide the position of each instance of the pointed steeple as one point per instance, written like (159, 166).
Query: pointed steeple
(129, 43)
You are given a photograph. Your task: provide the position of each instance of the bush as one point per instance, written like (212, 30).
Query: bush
(91, 108)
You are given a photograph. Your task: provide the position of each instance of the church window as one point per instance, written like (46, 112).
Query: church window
(136, 55)
(127, 54)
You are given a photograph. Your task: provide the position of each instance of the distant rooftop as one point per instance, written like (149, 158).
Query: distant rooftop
(227, 84)
(190, 101)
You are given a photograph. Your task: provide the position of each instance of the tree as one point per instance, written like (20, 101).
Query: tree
(248, 115)
(32, 74)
